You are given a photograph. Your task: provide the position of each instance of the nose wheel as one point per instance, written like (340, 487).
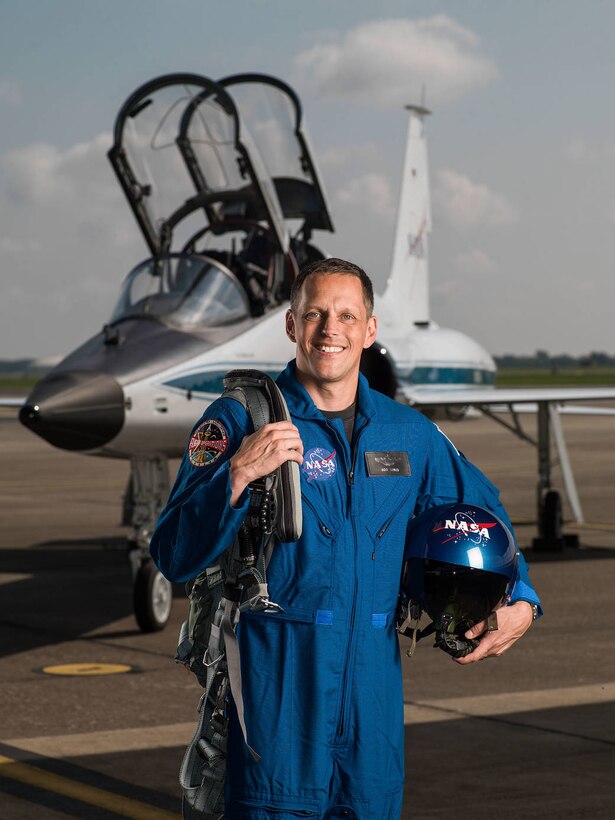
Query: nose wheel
(152, 598)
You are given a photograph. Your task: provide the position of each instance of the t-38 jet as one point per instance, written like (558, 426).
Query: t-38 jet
(225, 190)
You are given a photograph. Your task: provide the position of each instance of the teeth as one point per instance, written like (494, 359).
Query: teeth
(329, 349)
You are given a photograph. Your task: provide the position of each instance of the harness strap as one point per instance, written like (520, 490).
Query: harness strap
(230, 617)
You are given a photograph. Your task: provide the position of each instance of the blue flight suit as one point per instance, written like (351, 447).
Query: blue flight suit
(322, 682)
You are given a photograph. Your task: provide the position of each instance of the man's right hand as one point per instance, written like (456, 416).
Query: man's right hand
(262, 453)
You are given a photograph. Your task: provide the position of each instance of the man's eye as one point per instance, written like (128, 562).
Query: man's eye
(313, 314)
(347, 317)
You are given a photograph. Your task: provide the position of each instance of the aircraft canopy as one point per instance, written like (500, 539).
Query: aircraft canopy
(184, 290)
(180, 148)
(272, 113)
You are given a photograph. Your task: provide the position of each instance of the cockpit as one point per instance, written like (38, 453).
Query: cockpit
(217, 174)
(184, 291)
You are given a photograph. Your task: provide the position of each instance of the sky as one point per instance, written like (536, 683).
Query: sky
(521, 150)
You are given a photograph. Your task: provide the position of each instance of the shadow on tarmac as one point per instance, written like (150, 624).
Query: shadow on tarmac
(526, 764)
(72, 588)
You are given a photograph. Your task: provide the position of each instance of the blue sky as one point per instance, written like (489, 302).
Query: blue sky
(522, 149)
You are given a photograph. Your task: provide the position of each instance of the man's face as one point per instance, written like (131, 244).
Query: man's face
(330, 327)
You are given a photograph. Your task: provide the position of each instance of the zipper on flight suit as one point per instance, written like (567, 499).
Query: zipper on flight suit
(387, 523)
(353, 612)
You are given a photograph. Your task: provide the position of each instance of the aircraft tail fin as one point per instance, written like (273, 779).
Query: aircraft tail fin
(408, 282)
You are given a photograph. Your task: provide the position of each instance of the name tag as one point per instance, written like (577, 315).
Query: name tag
(393, 464)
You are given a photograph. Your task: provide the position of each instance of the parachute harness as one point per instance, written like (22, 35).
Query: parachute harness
(208, 642)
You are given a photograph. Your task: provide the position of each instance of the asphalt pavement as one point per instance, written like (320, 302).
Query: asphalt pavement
(530, 733)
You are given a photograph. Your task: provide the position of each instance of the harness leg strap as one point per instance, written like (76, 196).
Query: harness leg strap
(234, 666)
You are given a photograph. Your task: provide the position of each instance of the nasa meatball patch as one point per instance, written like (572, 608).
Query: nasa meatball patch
(319, 464)
(208, 442)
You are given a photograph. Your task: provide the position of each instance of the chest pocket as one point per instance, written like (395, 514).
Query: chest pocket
(387, 533)
(301, 573)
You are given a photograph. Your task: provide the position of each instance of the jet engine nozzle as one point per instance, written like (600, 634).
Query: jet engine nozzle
(75, 409)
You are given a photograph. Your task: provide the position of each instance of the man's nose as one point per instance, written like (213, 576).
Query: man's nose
(329, 326)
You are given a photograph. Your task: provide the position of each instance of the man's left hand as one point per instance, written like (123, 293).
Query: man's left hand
(513, 622)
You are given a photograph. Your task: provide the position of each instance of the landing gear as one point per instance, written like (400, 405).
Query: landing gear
(148, 487)
(550, 519)
(152, 598)
(551, 537)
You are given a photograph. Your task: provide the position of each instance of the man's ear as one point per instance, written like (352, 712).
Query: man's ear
(371, 331)
(290, 325)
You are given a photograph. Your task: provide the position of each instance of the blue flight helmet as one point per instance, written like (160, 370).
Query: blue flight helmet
(461, 564)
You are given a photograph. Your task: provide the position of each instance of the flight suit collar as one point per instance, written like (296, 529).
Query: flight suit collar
(301, 404)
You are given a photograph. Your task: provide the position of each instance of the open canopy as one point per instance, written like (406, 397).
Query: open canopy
(272, 113)
(182, 152)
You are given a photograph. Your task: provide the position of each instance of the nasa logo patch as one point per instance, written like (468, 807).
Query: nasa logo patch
(208, 442)
(319, 465)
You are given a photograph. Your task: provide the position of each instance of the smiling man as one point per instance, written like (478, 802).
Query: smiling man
(322, 683)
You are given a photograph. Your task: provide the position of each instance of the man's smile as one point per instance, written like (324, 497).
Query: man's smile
(323, 348)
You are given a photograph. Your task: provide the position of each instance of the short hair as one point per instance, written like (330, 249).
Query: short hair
(334, 265)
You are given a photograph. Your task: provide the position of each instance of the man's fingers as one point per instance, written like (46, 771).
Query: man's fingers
(476, 630)
(277, 425)
(264, 451)
(485, 648)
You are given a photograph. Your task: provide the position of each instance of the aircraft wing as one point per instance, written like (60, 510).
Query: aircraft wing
(12, 401)
(522, 397)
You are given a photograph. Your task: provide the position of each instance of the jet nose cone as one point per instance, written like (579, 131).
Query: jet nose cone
(75, 409)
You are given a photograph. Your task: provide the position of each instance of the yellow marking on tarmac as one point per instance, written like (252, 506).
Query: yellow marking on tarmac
(93, 796)
(76, 669)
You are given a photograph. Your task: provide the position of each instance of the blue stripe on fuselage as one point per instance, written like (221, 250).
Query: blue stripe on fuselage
(211, 382)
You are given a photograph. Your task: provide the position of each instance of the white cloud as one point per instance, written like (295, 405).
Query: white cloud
(371, 192)
(39, 172)
(73, 190)
(448, 291)
(387, 62)
(68, 238)
(474, 261)
(469, 204)
(9, 92)
(361, 154)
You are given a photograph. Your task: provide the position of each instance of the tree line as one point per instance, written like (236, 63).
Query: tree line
(542, 359)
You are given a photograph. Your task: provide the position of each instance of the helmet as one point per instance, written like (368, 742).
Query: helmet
(461, 565)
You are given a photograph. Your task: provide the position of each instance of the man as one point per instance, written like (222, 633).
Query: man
(322, 681)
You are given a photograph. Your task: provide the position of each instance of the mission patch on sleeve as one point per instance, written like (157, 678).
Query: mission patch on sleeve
(208, 442)
(392, 464)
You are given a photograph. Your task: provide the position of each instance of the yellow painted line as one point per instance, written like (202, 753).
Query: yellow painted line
(77, 669)
(93, 796)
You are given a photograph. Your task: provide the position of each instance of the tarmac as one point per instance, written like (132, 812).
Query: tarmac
(531, 733)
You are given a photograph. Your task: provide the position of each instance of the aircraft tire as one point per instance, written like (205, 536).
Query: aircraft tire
(552, 516)
(152, 598)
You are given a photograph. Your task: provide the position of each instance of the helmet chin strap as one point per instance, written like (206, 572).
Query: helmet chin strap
(454, 643)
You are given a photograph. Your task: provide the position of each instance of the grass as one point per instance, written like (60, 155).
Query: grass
(512, 377)
(565, 377)
(17, 382)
